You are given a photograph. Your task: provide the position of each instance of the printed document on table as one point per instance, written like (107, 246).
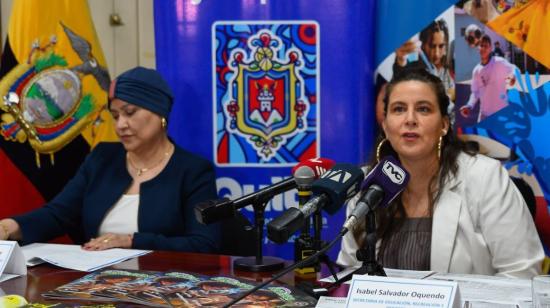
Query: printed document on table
(331, 302)
(74, 257)
(489, 289)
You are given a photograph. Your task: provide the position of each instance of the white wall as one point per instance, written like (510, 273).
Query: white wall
(127, 45)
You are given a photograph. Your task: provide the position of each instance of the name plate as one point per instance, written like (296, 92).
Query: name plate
(12, 261)
(374, 291)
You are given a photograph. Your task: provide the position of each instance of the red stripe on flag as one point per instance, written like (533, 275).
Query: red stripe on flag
(18, 194)
(23, 83)
(52, 130)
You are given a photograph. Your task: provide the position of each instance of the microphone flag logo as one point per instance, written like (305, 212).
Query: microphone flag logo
(393, 172)
(338, 176)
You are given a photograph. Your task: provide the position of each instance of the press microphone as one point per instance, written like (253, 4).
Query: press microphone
(306, 172)
(332, 189)
(317, 165)
(380, 187)
(211, 211)
(304, 176)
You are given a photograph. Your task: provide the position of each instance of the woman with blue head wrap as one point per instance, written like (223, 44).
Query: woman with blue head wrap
(136, 193)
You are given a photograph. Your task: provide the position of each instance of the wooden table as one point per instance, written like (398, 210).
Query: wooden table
(47, 277)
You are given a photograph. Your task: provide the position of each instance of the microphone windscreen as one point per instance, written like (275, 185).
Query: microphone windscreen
(281, 228)
(390, 175)
(304, 175)
(211, 211)
(339, 184)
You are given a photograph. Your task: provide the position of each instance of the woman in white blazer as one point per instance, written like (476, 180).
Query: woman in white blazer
(460, 212)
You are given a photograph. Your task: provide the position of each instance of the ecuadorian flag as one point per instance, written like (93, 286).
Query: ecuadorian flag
(52, 111)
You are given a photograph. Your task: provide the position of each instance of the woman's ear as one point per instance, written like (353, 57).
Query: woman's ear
(446, 124)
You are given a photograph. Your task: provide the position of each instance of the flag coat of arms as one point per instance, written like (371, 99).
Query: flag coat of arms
(53, 96)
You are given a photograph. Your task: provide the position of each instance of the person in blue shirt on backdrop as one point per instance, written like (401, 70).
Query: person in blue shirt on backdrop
(138, 193)
(460, 212)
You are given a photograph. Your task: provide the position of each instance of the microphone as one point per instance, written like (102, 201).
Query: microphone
(379, 188)
(309, 170)
(317, 165)
(305, 175)
(211, 211)
(333, 189)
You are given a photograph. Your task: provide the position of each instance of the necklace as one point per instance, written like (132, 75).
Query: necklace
(140, 171)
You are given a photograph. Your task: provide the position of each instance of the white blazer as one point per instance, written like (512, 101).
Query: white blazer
(481, 225)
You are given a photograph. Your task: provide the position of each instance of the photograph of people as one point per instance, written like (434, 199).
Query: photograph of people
(497, 51)
(482, 10)
(490, 79)
(432, 54)
(466, 50)
(136, 193)
(460, 212)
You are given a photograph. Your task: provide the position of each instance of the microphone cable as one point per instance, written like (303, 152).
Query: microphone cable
(288, 269)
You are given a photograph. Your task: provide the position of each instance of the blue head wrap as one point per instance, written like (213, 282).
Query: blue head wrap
(143, 87)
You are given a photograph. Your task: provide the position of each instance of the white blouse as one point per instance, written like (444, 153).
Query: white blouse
(122, 218)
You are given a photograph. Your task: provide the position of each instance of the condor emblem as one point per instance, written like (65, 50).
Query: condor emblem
(266, 105)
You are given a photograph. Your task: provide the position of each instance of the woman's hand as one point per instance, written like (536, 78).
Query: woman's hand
(9, 229)
(109, 240)
(402, 52)
(4, 232)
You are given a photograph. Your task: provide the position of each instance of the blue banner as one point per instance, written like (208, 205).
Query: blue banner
(261, 85)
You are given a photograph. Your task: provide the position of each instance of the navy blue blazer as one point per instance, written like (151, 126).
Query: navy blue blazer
(166, 220)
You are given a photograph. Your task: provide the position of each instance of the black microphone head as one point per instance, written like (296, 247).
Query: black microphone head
(339, 184)
(211, 211)
(390, 176)
(281, 228)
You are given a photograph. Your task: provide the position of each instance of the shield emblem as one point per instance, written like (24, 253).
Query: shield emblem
(267, 104)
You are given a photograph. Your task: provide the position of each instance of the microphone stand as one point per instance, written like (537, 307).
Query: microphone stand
(304, 244)
(259, 263)
(319, 244)
(367, 253)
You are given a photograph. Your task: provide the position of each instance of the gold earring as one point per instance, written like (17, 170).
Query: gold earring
(163, 123)
(378, 148)
(439, 144)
